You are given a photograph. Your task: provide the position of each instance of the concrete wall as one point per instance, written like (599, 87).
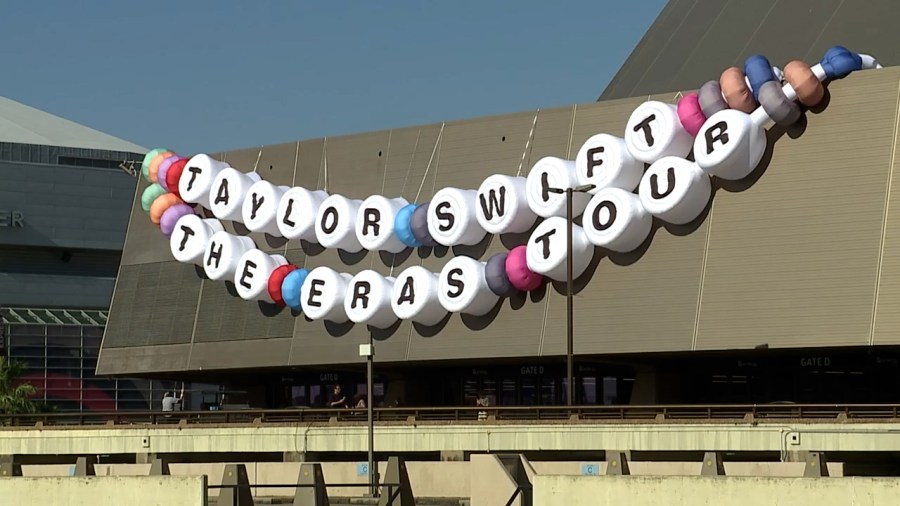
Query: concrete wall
(476, 437)
(701, 491)
(103, 490)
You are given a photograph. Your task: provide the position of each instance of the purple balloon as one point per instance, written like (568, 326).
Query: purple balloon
(496, 277)
(418, 223)
(163, 169)
(171, 216)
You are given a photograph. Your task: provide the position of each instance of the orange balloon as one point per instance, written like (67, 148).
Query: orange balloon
(153, 166)
(159, 206)
(808, 87)
(735, 90)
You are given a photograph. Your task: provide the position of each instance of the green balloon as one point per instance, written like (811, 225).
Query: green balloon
(150, 194)
(145, 165)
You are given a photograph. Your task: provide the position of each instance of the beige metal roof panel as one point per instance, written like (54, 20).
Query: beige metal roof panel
(792, 260)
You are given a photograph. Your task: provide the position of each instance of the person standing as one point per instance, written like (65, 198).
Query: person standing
(337, 399)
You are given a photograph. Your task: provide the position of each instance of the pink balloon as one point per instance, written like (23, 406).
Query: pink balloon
(171, 215)
(520, 275)
(690, 114)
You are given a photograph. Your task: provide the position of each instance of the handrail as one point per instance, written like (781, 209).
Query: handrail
(497, 414)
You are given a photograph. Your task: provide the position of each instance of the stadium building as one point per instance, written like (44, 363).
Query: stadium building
(783, 288)
(64, 203)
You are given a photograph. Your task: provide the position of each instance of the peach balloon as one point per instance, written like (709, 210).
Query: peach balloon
(159, 206)
(735, 90)
(807, 86)
(153, 166)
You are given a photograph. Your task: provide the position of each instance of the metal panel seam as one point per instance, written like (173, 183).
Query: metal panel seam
(653, 62)
(761, 23)
(824, 28)
(194, 326)
(709, 219)
(293, 184)
(884, 219)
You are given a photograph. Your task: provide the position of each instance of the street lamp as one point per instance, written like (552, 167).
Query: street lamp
(368, 351)
(570, 359)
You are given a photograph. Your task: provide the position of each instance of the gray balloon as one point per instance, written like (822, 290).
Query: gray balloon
(783, 112)
(495, 275)
(710, 98)
(418, 224)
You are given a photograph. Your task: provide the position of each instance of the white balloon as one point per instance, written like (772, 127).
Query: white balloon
(375, 224)
(297, 211)
(260, 208)
(545, 252)
(675, 190)
(322, 294)
(223, 252)
(605, 162)
(197, 179)
(368, 300)
(615, 219)
(548, 173)
(226, 198)
(415, 296)
(335, 223)
(654, 131)
(462, 287)
(502, 205)
(451, 218)
(729, 145)
(190, 237)
(251, 278)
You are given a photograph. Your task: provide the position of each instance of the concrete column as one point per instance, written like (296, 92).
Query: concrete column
(295, 457)
(452, 456)
(800, 456)
(144, 458)
(9, 466)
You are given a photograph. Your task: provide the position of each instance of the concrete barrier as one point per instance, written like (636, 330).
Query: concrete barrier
(103, 491)
(714, 490)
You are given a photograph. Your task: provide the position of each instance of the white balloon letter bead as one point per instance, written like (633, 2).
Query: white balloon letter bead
(729, 145)
(502, 205)
(368, 300)
(605, 162)
(190, 237)
(463, 288)
(297, 213)
(615, 219)
(675, 190)
(553, 173)
(220, 260)
(415, 296)
(546, 249)
(654, 131)
(322, 294)
(335, 223)
(226, 198)
(251, 279)
(260, 209)
(197, 179)
(451, 218)
(375, 224)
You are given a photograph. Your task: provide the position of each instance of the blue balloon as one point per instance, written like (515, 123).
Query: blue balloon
(759, 72)
(840, 61)
(290, 288)
(402, 229)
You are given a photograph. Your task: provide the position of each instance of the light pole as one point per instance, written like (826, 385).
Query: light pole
(368, 351)
(570, 354)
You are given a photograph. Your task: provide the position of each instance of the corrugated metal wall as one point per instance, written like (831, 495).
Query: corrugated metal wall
(788, 258)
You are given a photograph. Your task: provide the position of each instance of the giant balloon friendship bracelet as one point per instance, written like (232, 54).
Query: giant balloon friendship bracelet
(643, 175)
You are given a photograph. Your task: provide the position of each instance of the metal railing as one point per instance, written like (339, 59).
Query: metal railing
(506, 414)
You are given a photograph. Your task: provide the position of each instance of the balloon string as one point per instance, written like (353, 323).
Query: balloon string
(427, 168)
(325, 158)
(411, 160)
(258, 156)
(528, 143)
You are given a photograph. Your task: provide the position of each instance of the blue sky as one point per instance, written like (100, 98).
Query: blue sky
(204, 75)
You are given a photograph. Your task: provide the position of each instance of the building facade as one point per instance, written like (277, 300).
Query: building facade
(781, 290)
(64, 203)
